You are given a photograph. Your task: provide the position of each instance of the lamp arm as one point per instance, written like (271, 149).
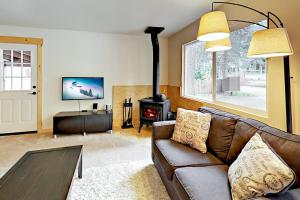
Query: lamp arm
(287, 77)
(247, 7)
(236, 20)
(279, 20)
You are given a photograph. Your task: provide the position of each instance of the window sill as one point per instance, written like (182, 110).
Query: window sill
(235, 109)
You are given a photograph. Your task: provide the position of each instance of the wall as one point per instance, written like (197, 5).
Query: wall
(288, 11)
(120, 59)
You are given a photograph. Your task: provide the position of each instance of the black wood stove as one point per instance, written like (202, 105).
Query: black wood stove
(154, 108)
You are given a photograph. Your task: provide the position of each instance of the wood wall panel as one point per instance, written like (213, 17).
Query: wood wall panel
(173, 93)
(136, 92)
(179, 102)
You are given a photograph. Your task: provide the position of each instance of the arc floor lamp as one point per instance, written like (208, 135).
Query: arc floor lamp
(271, 42)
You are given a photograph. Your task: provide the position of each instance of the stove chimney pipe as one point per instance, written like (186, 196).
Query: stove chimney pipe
(154, 31)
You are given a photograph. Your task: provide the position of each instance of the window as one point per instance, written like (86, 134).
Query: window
(198, 71)
(239, 80)
(15, 70)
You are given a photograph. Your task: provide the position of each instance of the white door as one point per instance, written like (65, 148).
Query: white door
(18, 82)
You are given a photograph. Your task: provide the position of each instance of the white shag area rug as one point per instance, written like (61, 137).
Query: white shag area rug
(137, 180)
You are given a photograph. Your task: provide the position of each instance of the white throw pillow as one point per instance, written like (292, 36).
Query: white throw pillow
(192, 128)
(258, 171)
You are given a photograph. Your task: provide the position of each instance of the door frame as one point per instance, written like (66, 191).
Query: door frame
(39, 43)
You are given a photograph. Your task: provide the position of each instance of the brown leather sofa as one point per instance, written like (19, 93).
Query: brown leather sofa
(189, 174)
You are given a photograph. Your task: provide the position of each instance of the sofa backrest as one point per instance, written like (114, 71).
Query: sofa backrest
(286, 145)
(221, 132)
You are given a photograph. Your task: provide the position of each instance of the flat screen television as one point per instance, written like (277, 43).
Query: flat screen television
(82, 88)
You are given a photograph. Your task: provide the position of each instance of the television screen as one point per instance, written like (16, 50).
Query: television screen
(81, 88)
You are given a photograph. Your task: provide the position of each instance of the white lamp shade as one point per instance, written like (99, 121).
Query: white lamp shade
(270, 43)
(218, 45)
(213, 26)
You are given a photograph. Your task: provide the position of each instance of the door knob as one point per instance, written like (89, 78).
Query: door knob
(33, 93)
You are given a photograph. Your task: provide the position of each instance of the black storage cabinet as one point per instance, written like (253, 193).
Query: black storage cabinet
(82, 122)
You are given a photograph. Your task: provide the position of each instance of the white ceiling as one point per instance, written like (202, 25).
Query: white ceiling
(108, 16)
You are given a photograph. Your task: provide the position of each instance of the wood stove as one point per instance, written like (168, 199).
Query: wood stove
(154, 108)
(152, 111)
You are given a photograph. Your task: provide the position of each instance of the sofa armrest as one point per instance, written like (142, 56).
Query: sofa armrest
(163, 130)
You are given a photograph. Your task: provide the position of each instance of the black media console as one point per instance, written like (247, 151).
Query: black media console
(82, 122)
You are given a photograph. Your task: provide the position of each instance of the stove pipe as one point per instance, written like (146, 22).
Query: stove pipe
(154, 31)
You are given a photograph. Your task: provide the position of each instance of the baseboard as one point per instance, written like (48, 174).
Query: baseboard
(18, 133)
(45, 130)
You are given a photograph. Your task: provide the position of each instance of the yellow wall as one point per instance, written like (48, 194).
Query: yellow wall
(288, 11)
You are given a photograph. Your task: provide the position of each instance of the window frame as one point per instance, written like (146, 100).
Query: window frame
(214, 102)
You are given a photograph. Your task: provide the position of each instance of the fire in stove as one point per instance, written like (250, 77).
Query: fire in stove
(150, 113)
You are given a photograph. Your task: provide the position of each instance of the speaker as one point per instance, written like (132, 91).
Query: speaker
(95, 107)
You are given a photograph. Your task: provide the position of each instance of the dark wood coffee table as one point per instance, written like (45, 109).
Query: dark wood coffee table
(42, 175)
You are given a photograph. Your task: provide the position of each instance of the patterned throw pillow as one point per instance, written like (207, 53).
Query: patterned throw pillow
(258, 171)
(192, 128)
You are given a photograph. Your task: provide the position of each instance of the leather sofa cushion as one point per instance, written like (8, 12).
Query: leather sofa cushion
(202, 183)
(287, 146)
(258, 167)
(221, 132)
(220, 136)
(173, 155)
(288, 195)
(243, 133)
